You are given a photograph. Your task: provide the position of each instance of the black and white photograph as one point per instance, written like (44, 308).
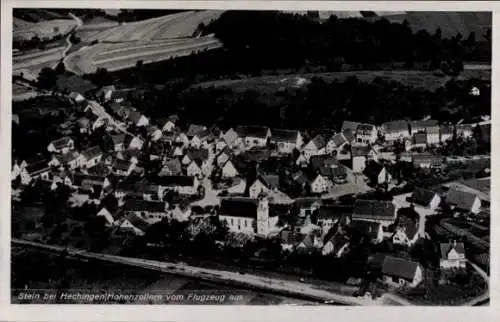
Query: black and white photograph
(250, 157)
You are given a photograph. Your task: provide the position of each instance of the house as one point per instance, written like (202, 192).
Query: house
(290, 239)
(194, 154)
(286, 140)
(150, 211)
(182, 139)
(406, 227)
(263, 184)
(62, 145)
(136, 190)
(91, 183)
(307, 205)
(229, 170)
(223, 156)
(446, 132)
(118, 142)
(133, 223)
(426, 160)
(254, 136)
(373, 231)
(195, 129)
(154, 132)
(309, 242)
(425, 198)
(122, 167)
(395, 130)
(320, 184)
(184, 185)
(350, 126)
(366, 134)
(120, 111)
(380, 211)
(316, 146)
(136, 143)
(336, 173)
(432, 135)
(463, 201)
(248, 215)
(336, 143)
(70, 160)
(83, 124)
(419, 140)
(230, 139)
(109, 215)
(91, 157)
(377, 173)
(169, 125)
(337, 245)
(105, 93)
(328, 216)
(401, 272)
(423, 126)
(64, 178)
(171, 167)
(33, 171)
(452, 255)
(181, 212)
(137, 118)
(194, 169)
(464, 130)
(359, 156)
(76, 97)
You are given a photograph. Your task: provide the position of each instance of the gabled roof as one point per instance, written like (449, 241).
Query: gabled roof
(270, 181)
(333, 171)
(461, 199)
(422, 196)
(137, 222)
(374, 209)
(174, 181)
(319, 161)
(300, 177)
(280, 135)
(365, 128)
(118, 139)
(38, 166)
(318, 141)
(239, 207)
(194, 129)
(350, 125)
(423, 124)
(445, 248)
(360, 150)
(174, 166)
(252, 131)
(197, 154)
(399, 267)
(121, 165)
(408, 219)
(307, 202)
(92, 152)
(368, 228)
(80, 179)
(230, 136)
(446, 129)
(68, 157)
(395, 126)
(62, 142)
(338, 139)
(372, 169)
(144, 205)
(348, 134)
(334, 212)
(134, 116)
(420, 138)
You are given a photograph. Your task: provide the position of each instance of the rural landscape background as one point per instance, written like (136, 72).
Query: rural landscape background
(309, 72)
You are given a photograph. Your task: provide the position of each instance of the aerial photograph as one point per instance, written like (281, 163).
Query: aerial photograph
(231, 157)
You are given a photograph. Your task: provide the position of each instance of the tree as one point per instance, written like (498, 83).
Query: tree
(60, 68)
(47, 78)
(102, 77)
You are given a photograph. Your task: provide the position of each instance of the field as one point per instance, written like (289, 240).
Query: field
(44, 30)
(450, 23)
(424, 79)
(31, 64)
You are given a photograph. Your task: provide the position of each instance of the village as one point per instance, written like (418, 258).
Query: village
(329, 194)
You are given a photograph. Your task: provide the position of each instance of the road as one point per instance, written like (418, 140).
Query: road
(283, 286)
(99, 111)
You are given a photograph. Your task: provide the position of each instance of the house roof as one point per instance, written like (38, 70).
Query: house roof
(372, 169)
(173, 166)
(307, 202)
(445, 248)
(421, 196)
(281, 135)
(461, 199)
(98, 170)
(134, 116)
(118, 139)
(350, 125)
(374, 209)
(446, 129)
(230, 136)
(319, 161)
(360, 150)
(38, 166)
(334, 212)
(348, 134)
(80, 179)
(194, 154)
(368, 228)
(420, 138)
(338, 139)
(68, 157)
(62, 142)
(194, 129)
(395, 126)
(144, 205)
(290, 237)
(270, 181)
(173, 181)
(425, 157)
(256, 155)
(399, 267)
(92, 152)
(121, 164)
(300, 177)
(333, 171)
(252, 131)
(423, 124)
(408, 219)
(365, 128)
(239, 207)
(318, 141)
(137, 222)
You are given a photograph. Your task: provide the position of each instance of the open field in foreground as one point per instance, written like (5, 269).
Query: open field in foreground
(125, 55)
(424, 79)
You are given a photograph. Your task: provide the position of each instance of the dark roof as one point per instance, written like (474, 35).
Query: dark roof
(256, 155)
(422, 196)
(252, 131)
(319, 161)
(348, 134)
(334, 212)
(284, 135)
(134, 116)
(445, 248)
(121, 164)
(140, 187)
(372, 169)
(80, 179)
(118, 139)
(290, 237)
(408, 220)
(137, 222)
(423, 124)
(367, 228)
(338, 139)
(446, 129)
(172, 181)
(399, 267)
(173, 165)
(333, 171)
(92, 152)
(461, 199)
(194, 129)
(420, 138)
(365, 128)
(194, 154)
(98, 170)
(350, 125)
(395, 126)
(144, 205)
(360, 150)
(239, 207)
(300, 177)
(318, 141)
(307, 202)
(425, 157)
(38, 166)
(62, 142)
(374, 209)
(68, 157)
(270, 181)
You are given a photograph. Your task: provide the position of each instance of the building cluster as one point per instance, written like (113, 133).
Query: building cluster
(198, 166)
